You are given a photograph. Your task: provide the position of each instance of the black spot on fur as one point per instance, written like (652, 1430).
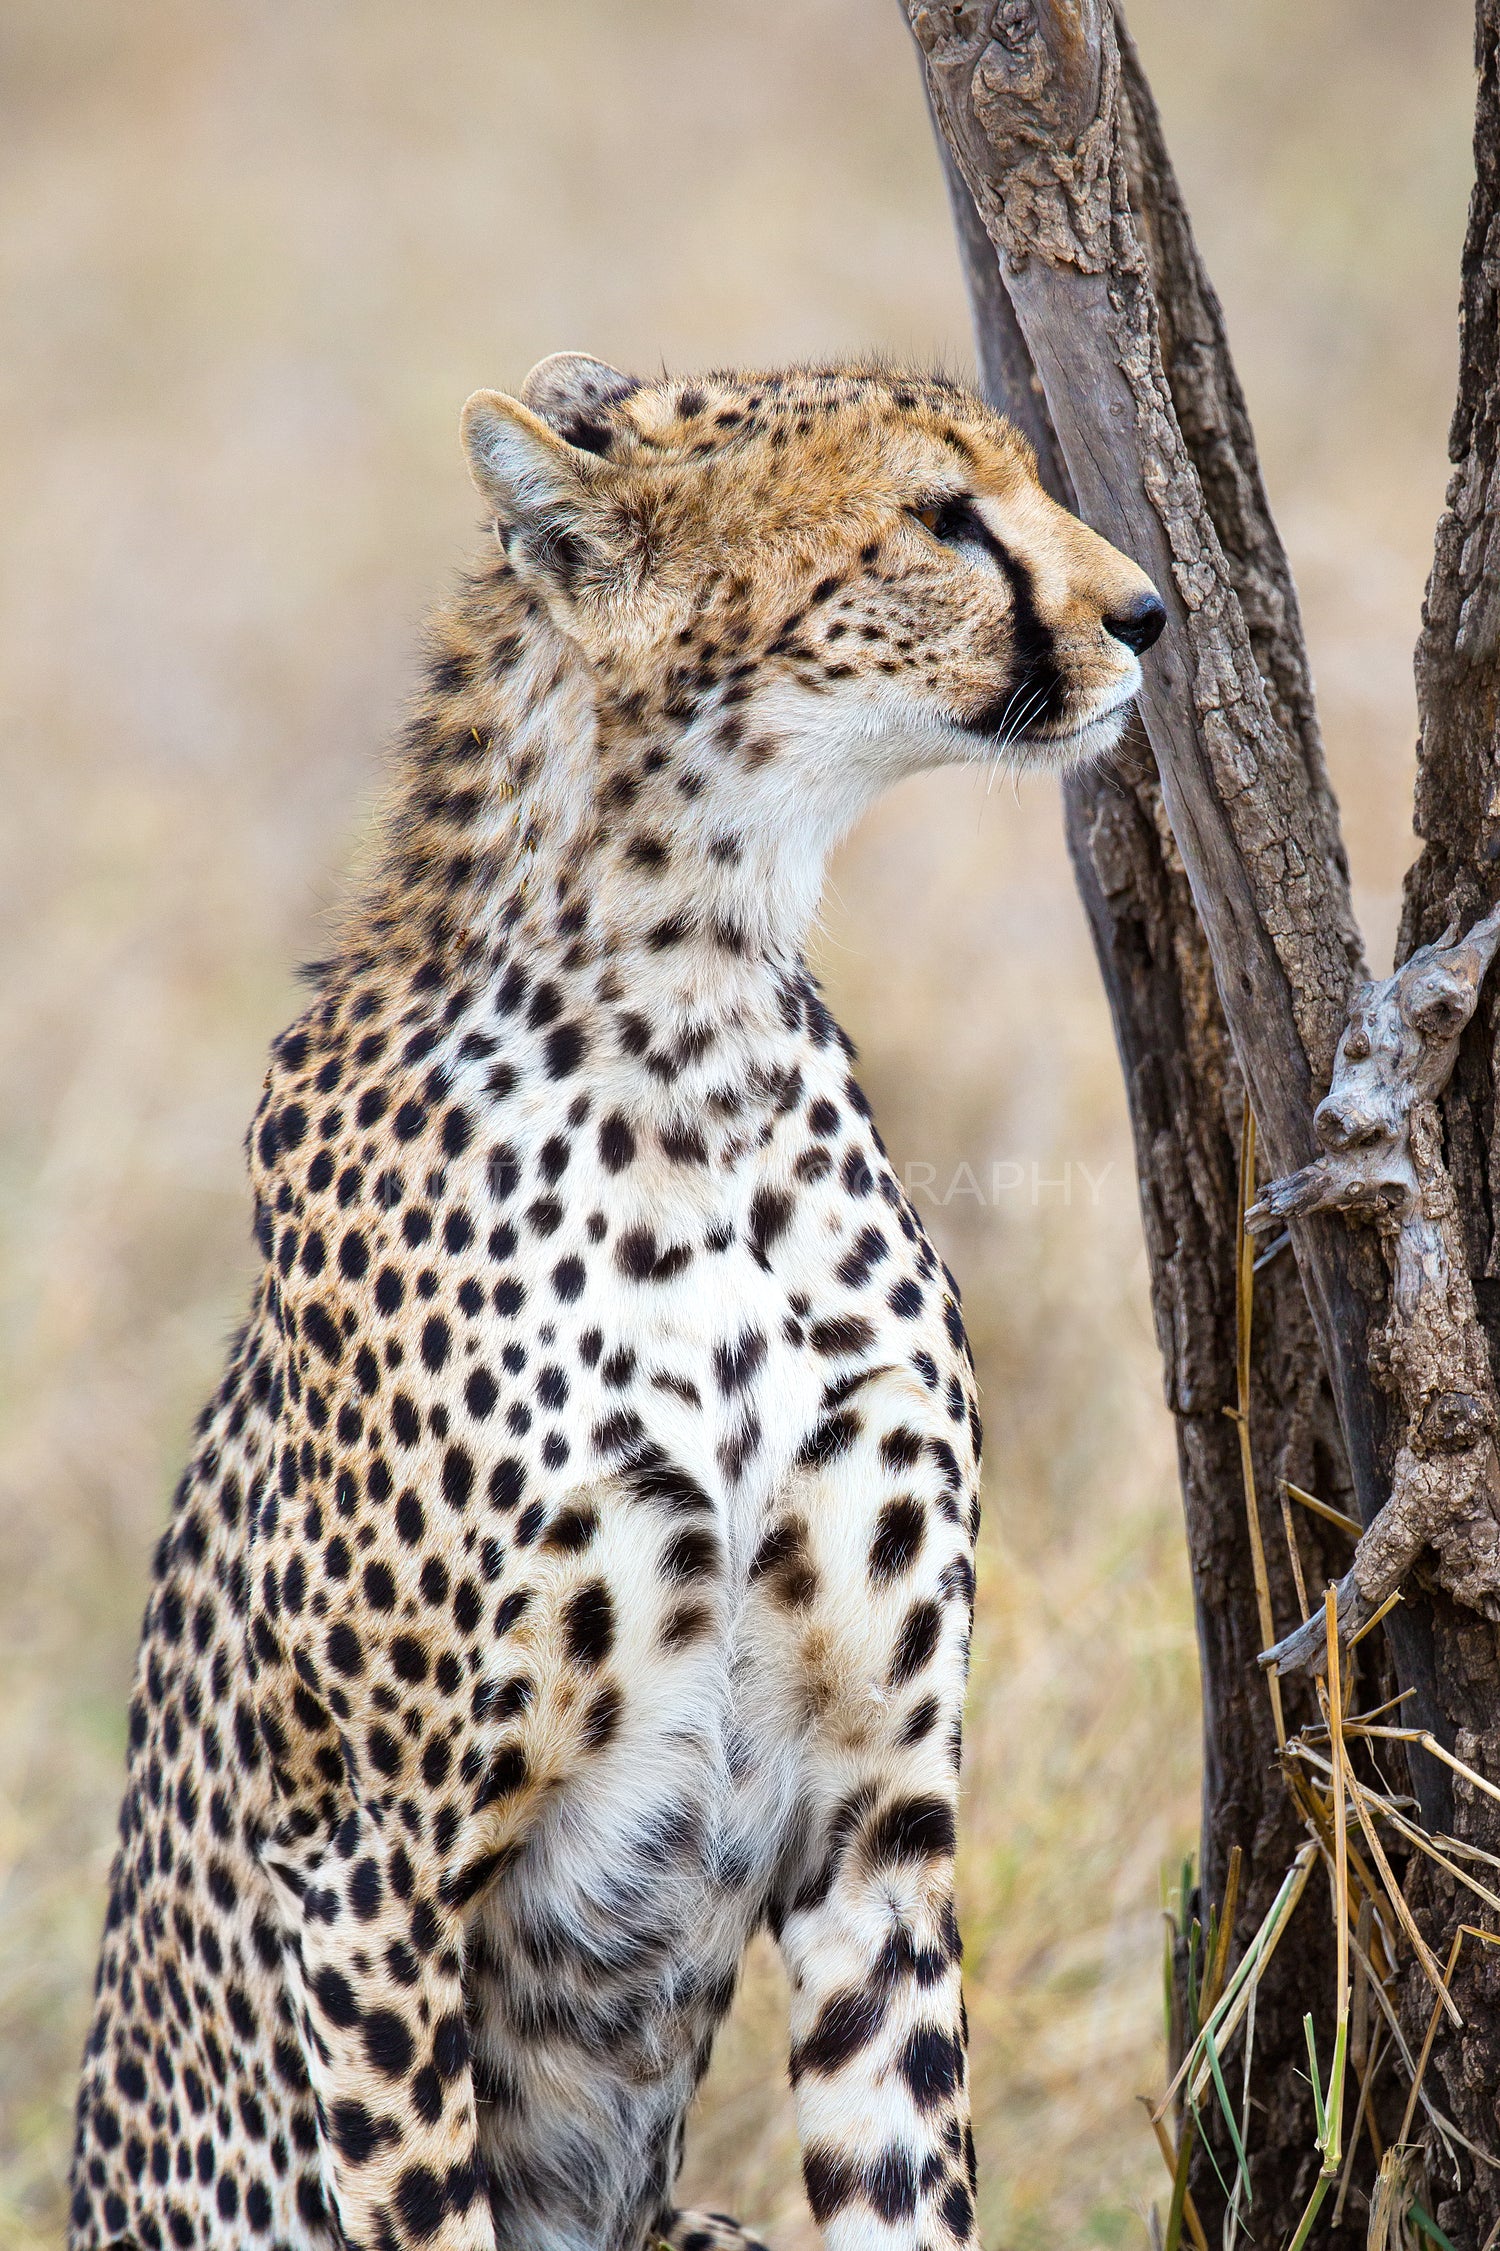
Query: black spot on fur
(932, 2064)
(421, 2202)
(589, 1624)
(918, 1640)
(846, 2023)
(911, 1829)
(830, 2180)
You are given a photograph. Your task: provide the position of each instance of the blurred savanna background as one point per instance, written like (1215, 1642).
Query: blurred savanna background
(252, 259)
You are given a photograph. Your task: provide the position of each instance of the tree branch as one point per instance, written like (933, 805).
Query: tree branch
(1185, 1099)
(1046, 114)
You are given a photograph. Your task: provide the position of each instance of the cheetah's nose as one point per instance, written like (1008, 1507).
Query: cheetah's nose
(1141, 624)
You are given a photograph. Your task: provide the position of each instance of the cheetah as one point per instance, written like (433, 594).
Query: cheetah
(574, 1570)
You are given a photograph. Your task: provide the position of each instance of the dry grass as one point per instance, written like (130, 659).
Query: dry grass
(1372, 1921)
(252, 260)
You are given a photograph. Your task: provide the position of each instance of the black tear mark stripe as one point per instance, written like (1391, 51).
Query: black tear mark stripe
(1036, 686)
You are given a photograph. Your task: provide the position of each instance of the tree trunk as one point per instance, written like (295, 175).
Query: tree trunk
(1035, 118)
(1186, 1099)
(1458, 819)
(1099, 332)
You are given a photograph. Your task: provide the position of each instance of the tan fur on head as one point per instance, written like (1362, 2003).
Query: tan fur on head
(672, 500)
(729, 611)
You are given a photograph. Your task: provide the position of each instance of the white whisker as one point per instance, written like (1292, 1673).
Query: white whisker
(1035, 700)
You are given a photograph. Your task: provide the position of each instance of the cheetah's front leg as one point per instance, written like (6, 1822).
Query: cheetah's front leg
(869, 1568)
(374, 1970)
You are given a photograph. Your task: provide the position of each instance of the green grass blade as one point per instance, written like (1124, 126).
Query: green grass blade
(1321, 2186)
(1229, 2118)
(1317, 2085)
(1208, 2150)
(1252, 1964)
(1334, 2108)
(1429, 2226)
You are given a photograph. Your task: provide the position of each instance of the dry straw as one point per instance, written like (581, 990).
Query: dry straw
(1375, 1933)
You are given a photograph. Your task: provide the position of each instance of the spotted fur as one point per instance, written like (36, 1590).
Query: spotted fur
(573, 1573)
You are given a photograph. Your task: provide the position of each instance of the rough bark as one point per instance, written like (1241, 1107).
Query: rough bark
(1034, 99)
(1097, 325)
(1457, 873)
(1185, 1098)
(1383, 1164)
(1029, 99)
(1184, 1091)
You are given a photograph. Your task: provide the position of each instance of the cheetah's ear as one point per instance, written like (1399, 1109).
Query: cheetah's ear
(523, 469)
(552, 500)
(574, 394)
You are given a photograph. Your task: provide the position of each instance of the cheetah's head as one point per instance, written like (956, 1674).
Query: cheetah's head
(833, 575)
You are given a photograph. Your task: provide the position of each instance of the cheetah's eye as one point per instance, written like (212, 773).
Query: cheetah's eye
(951, 519)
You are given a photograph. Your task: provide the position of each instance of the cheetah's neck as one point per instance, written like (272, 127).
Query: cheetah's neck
(600, 835)
(538, 805)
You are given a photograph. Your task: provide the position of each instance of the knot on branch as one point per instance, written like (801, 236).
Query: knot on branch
(1452, 1422)
(1382, 1161)
(1037, 82)
(1376, 1123)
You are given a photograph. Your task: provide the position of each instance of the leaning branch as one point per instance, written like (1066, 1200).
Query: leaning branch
(1036, 100)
